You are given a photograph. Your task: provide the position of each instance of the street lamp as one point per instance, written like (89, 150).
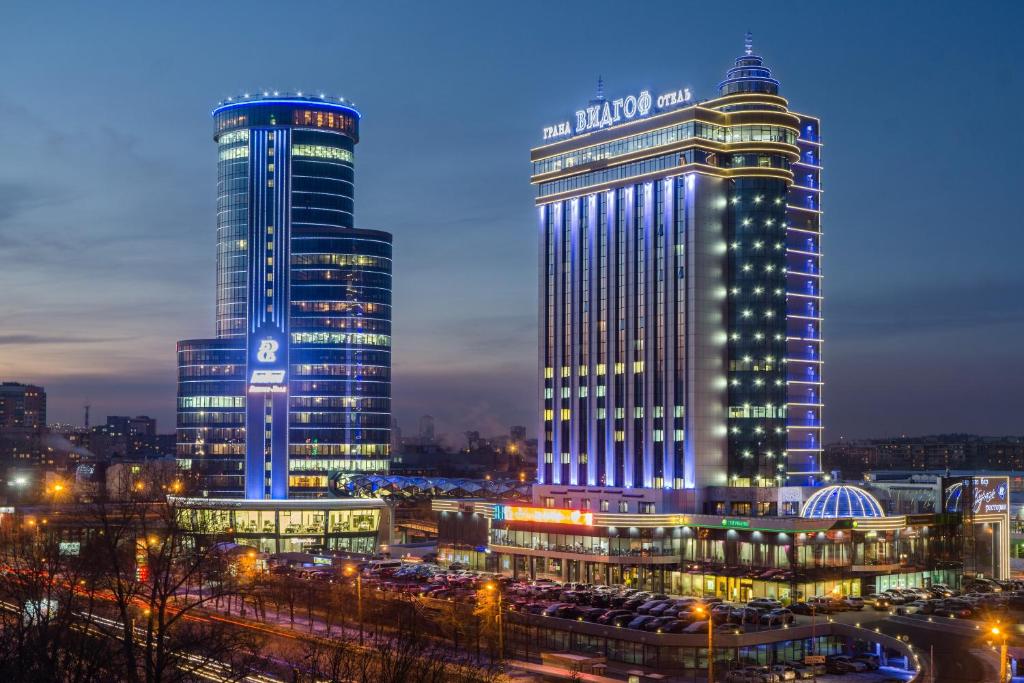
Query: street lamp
(711, 632)
(492, 586)
(1002, 652)
(349, 571)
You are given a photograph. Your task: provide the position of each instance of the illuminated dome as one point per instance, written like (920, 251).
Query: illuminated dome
(841, 501)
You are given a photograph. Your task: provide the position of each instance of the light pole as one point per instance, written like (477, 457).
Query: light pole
(1002, 653)
(711, 642)
(349, 571)
(493, 586)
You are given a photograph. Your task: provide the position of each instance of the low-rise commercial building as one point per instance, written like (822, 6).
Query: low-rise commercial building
(784, 543)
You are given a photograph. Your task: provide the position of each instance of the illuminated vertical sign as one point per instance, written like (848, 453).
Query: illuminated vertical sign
(266, 442)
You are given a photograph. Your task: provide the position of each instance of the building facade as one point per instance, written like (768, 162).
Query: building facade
(786, 543)
(296, 385)
(680, 280)
(22, 422)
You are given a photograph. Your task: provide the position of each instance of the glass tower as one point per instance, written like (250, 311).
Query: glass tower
(680, 311)
(295, 389)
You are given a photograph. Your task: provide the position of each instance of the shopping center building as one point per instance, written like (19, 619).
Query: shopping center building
(784, 543)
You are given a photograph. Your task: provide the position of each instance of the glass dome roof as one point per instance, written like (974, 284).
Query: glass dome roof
(841, 501)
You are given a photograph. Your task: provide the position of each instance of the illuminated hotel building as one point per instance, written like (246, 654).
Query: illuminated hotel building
(295, 388)
(680, 280)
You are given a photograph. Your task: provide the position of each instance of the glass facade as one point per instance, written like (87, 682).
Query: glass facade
(680, 307)
(341, 525)
(295, 280)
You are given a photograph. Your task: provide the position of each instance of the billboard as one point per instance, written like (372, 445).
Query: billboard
(979, 495)
(513, 513)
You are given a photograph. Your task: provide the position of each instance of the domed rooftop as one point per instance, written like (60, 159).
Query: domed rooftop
(841, 500)
(749, 75)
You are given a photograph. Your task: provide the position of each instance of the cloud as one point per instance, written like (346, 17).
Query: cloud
(18, 198)
(20, 339)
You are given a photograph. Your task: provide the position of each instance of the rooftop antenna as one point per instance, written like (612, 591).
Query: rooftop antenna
(748, 43)
(600, 88)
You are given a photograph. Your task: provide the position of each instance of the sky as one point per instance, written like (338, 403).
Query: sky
(108, 171)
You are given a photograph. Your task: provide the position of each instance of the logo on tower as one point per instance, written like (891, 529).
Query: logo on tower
(267, 352)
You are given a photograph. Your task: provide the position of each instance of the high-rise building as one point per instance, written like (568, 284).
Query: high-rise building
(139, 432)
(296, 385)
(22, 406)
(427, 429)
(22, 421)
(680, 308)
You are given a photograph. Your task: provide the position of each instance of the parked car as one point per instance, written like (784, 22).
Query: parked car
(697, 627)
(873, 662)
(777, 617)
(720, 613)
(878, 601)
(648, 606)
(911, 607)
(741, 676)
(612, 614)
(764, 603)
(896, 597)
(823, 605)
(842, 664)
(804, 608)
(639, 621)
(745, 615)
(592, 613)
(553, 609)
(802, 670)
(854, 602)
(622, 620)
(764, 673)
(785, 673)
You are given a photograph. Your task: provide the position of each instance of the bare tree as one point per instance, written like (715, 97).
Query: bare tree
(161, 577)
(47, 627)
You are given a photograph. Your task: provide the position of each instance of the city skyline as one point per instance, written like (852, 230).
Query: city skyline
(105, 284)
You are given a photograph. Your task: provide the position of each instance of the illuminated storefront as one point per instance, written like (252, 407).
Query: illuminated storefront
(358, 525)
(788, 557)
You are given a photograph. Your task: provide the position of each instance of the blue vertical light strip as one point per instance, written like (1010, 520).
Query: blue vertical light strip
(650, 329)
(558, 341)
(280, 425)
(544, 286)
(594, 305)
(689, 454)
(628, 444)
(255, 425)
(575, 337)
(610, 296)
(668, 338)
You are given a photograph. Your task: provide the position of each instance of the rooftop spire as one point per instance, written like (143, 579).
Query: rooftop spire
(748, 43)
(600, 88)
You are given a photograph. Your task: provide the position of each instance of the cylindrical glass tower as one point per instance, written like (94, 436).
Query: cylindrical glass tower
(303, 309)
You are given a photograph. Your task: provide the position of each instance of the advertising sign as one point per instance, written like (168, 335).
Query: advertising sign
(512, 513)
(980, 495)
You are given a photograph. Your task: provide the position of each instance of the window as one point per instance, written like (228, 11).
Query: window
(549, 502)
(604, 506)
(585, 503)
(567, 503)
(623, 506)
(645, 508)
